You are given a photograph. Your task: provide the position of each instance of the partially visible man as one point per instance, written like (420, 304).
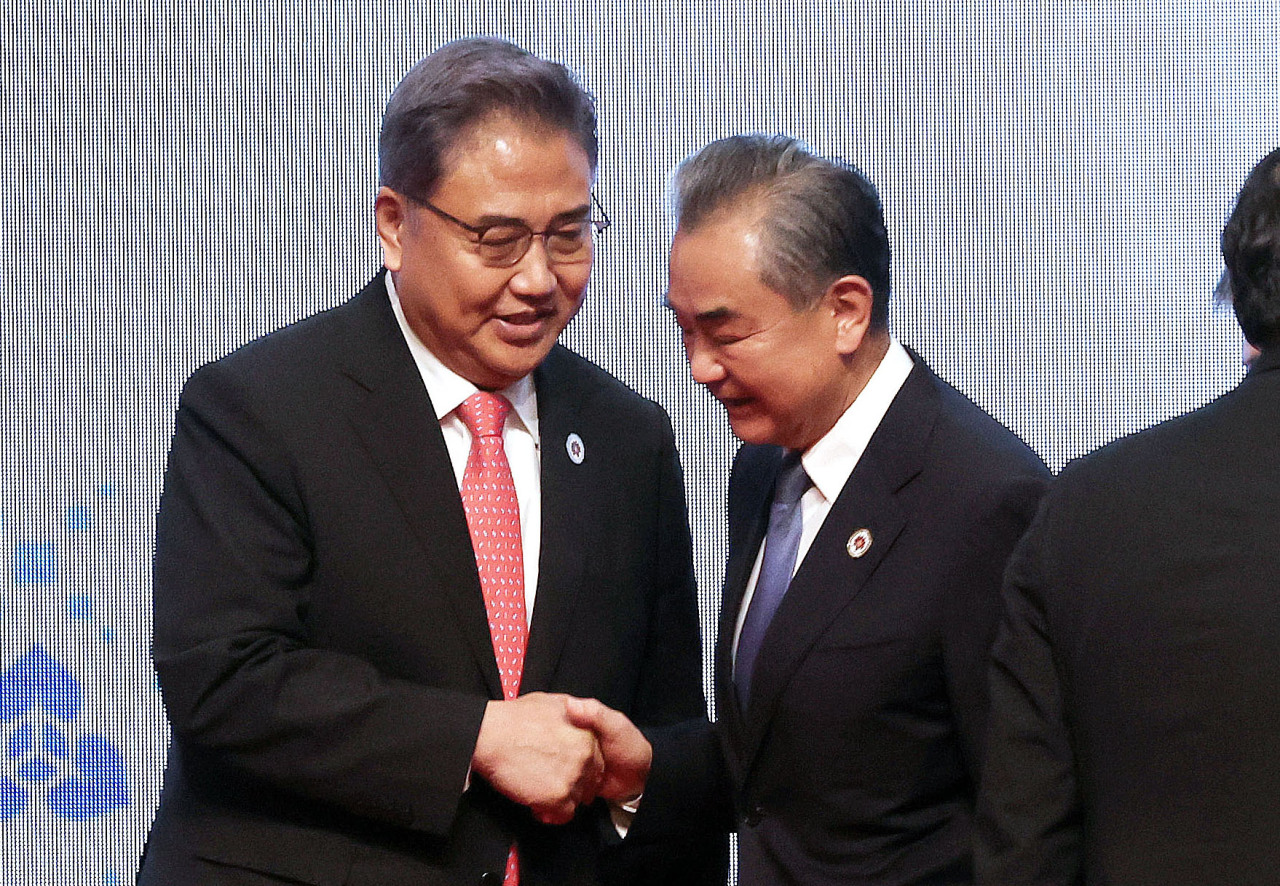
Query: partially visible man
(871, 513)
(1135, 733)
(357, 513)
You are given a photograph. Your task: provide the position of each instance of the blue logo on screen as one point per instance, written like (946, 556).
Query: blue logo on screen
(79, 776)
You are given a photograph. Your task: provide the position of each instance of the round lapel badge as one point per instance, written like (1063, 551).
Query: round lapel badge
(859, 543)
(573, 446)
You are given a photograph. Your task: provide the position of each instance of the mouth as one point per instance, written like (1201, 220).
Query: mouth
(732, 404)
(525, 327)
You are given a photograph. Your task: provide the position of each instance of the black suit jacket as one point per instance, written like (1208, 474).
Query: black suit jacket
(1136, 681)
(858, 758)
(320, 633)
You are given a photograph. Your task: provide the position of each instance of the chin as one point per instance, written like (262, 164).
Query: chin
(753, 431)
(505, 373)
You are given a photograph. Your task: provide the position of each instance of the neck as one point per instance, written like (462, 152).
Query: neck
(863, 364)
(859, 367)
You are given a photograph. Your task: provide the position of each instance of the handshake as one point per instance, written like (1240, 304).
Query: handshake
(554, 753)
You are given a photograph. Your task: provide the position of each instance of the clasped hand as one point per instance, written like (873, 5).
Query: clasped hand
(554, 753)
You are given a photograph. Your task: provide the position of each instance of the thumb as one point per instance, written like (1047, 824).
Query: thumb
(587, 713)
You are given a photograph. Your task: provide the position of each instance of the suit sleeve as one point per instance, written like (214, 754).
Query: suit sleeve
(1029, 826)
(245, 687)
(672, 840)
(670, 687)
(690, 786)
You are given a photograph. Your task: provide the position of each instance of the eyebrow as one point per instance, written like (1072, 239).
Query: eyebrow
(579, 212)
(715, 315)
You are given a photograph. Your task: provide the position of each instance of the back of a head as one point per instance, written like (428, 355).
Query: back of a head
(822, 219)
(1251, 252)
(461, 84)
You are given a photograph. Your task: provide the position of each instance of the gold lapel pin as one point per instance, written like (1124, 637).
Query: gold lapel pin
(859, 543)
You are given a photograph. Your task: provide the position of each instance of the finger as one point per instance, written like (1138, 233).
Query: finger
(555, 813)
(586, 786)
(581, 712)
(595, 770)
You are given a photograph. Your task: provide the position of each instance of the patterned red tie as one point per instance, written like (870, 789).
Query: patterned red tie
(493, 516)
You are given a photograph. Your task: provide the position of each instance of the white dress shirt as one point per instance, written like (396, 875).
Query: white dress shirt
(448, 390)
(831, 460)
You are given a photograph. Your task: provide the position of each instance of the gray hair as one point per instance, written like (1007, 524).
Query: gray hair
(1251, 251)
(458, 86)
(822, 218)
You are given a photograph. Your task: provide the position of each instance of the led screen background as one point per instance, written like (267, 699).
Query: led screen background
(177, 178)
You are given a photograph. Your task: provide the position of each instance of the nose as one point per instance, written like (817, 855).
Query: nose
(534, 275)
(703, 365)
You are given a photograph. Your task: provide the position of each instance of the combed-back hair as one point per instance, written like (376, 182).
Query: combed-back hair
(1251, 252)
(460, 85)
(822, 218)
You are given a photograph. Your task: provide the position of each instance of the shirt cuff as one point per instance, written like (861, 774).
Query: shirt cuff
(623, 813)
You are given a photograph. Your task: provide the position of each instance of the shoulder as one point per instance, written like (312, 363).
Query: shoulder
(308, 360)
(1155, 461)
(753, 460)
(294, 353)
(751, 476)
(966, 437)
(593, 394)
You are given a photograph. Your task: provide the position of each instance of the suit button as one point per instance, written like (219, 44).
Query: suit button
(754, 817)
(489, 878)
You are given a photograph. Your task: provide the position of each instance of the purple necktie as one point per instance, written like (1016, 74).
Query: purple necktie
(781, 545)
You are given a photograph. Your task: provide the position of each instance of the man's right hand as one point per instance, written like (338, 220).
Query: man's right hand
(530, 752)
(627, 753)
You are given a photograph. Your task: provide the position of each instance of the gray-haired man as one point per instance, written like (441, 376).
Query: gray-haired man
(871, 511)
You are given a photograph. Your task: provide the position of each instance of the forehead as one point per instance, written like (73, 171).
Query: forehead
(501, 158)
(714, 271)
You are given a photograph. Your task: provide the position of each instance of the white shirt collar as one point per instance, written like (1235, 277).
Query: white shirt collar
(831, 460)
(446, 388)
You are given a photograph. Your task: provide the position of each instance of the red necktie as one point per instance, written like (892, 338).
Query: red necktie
(493, 517)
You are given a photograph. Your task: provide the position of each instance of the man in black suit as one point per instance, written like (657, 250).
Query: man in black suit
(851, 697)
(363, 686)
(1135, 734)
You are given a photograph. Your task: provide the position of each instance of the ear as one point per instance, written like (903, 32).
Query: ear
(850, 300)
(391, 216)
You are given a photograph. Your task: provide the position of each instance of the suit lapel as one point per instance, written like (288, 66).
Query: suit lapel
(568, 494)
(394, 418)
(829, 578)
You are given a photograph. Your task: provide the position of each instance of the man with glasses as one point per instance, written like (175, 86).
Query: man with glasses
(396, 537)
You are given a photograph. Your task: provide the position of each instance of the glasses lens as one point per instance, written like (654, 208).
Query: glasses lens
(571, 243)
(504, 244)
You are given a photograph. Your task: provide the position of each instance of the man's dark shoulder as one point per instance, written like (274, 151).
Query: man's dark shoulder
(967, 436)
(592, 390)
(755, 459)
(291, 351)
(1212, 445)
(1230, 435)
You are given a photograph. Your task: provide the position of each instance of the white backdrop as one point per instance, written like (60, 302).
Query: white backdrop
(176, 178)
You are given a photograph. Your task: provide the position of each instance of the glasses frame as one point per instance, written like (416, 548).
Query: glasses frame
(478, 231)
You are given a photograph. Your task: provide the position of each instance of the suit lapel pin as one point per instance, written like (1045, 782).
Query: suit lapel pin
(573, 446)
(859, 543)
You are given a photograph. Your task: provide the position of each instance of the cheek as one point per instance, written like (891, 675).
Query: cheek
(573, 280)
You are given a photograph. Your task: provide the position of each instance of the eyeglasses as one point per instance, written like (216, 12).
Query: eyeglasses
(503, 244)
